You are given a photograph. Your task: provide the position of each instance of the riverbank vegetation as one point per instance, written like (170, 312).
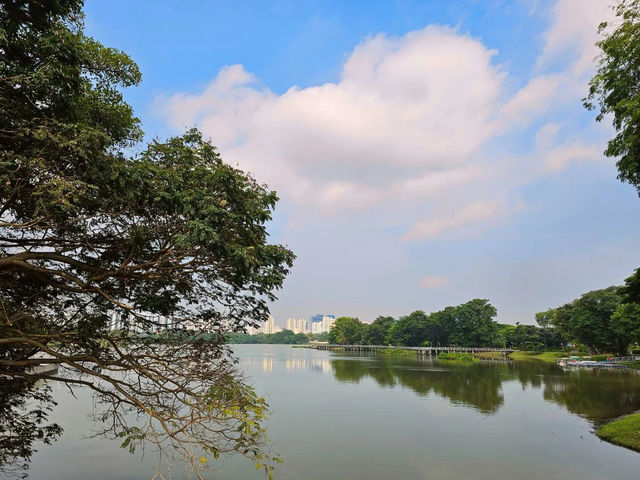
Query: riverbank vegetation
(458, 357)
(550, 357)
(605, 322)
(286, 337)
(624, 431)
(396, 352)
(469, 324)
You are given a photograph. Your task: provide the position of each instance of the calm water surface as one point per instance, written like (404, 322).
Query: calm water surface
(369, 417)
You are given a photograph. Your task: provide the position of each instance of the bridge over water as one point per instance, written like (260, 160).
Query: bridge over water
(420, 351)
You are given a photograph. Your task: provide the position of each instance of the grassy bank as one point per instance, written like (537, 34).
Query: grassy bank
(632, 364)
(550, 357)
(490, 355)
(396, 352)
(624, 432)
(458, 357)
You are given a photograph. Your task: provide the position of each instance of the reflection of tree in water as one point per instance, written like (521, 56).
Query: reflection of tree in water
(477, 386)
(597, 395)
(24, 407)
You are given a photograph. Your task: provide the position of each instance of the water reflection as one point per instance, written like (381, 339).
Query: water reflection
(267, 365)
(295, 363)
(321, 365)
(595, 395)
(476, 386)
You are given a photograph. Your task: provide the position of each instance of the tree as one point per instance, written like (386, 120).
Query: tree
(588, 320)
(409, 331)
(625, 324)
(376, 333)
(615, 88)
(346, 331)
(630, 291)
(89, 234)
(475, 325)
(524, 337)
(440, 326)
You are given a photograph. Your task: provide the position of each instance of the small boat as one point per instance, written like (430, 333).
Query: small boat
(575, 362)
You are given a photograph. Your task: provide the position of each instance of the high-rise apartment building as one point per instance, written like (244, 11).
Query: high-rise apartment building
(297, 325)
(327, 322)
(270, 326)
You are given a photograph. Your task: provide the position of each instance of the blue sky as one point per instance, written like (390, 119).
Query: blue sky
(425, 153)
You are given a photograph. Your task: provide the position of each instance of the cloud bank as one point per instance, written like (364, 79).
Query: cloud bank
(407, 127)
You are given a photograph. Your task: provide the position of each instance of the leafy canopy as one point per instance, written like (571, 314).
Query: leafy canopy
(89, 230)
(615, 88)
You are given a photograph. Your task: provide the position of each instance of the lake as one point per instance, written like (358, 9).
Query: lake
(338, 416)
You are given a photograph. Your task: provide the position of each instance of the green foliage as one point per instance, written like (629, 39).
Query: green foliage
(625, 325)
(614, 91)
(376, 333)
(440, 327)
(396, 352)
(284, 337)
(87, 229)
(624, 432)
(410, 330)
(318, 337)
(468, 325)
(347, 331)
(531, 337)
(458, 357)
(630, 291)
(475, 325)
(549, 357)
(599, 321)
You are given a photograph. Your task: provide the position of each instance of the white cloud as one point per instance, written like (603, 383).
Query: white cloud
(475, 212)
(574, 29)
(432, 282)
(562, 156)
(403, 121)
(403, 128)
(532, 99)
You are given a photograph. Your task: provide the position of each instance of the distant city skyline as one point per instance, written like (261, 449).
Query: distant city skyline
(296, 325)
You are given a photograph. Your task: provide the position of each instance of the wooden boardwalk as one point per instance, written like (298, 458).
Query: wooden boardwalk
(420, 351)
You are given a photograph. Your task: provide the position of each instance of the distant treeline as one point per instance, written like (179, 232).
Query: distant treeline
(284, 337)
(600, 321)
(603, 321)
(467, 325)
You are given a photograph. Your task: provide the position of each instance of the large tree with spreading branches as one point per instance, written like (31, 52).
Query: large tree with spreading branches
(168, 238)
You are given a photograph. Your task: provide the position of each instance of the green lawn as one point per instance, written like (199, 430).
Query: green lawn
(550, 357)
(624, 432)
